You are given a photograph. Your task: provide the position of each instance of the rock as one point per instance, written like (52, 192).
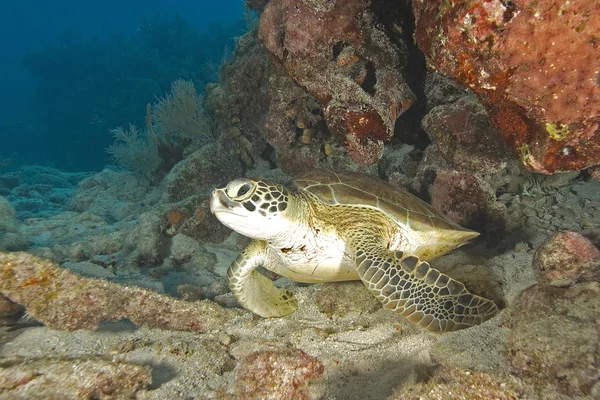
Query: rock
(595, 173)
(467, 200)
(465, 137)
(11, 238)
(87, 268)
(189, 292)
(8, 219)
(440, 90)
(267, 118)
(257, 5)
(217, 288)
(567, 258)
(533, 65)
(342, 298)
(198, 173)
(239, 103)
(144, 244)
(340, 55)
(13, 242)
(9, 309)
(554, 337)
(198, 222)
(183, 248)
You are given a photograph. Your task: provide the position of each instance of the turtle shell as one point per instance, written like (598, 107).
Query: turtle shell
(407, 210)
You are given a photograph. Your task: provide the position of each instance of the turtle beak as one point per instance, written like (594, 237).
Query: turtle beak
(220, 202)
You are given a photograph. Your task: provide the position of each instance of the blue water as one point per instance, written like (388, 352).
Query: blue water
(72, 70)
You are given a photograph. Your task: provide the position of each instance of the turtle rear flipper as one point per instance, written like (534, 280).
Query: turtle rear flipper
(418, 292)
(255, 291)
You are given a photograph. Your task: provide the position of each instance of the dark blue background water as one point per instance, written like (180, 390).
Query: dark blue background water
(72, 70)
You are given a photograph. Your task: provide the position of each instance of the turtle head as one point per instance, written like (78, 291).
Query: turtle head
(255, 208)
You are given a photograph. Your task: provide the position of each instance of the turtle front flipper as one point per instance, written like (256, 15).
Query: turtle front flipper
(418, 292)
(253, 290)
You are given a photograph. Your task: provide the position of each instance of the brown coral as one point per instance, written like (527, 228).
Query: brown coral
(336, 51)
(534, 65)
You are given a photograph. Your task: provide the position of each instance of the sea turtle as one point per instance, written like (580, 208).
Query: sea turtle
(329, 226)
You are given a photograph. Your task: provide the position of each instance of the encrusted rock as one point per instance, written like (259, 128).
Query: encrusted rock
(567, 258)
(63, 300)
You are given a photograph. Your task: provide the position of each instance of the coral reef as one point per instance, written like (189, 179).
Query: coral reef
(534, 66)
(176, 123)
(63, 300)
(39, 192)
(567, 258)
(134, 151)
(282, 373)
(85, 378)
(264, 114)
(336, 51)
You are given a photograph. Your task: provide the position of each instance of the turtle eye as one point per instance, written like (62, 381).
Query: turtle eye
(244, 189)
(242, 192)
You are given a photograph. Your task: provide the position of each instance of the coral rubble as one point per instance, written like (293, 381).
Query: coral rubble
(277, 374)
(457, 384)
(533, 64)
(63, 300)
(85, 378)
(554, 338)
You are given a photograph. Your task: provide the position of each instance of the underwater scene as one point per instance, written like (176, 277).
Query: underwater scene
(300, 199)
